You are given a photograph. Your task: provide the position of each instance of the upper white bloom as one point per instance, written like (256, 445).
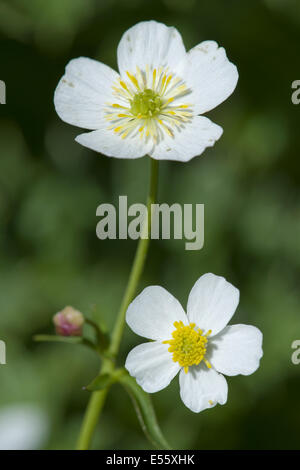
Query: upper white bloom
(198, 344)
(152, 105)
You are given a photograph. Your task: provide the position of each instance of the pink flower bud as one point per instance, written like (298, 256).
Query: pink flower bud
(68, 322)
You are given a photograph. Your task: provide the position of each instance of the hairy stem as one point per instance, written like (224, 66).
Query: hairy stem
(97, 399)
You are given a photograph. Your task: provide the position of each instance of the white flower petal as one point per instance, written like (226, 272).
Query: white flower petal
(236, 350)
(82, 92)
(152, 366)
(212, 302)
(189, 142)
(210, 75)
(109, 143)
(23, 426)
(150, 43)
(202, 388)
(152, 313)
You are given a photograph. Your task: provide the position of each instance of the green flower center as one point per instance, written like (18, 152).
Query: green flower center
(146, 104)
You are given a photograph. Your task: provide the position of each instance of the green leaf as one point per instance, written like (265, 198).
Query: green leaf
(100, 382)
(105, 380)
(145, 411)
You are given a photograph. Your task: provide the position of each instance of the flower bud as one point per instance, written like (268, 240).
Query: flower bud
(68, 322)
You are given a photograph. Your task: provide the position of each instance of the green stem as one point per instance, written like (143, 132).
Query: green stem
(91, 417)
(97, 399)
(138, 264)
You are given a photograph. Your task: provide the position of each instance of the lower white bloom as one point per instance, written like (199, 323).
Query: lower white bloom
(198, 344)
(152, 105)
(23, 426)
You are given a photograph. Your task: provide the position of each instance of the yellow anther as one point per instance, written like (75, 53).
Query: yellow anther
(153, 77)
(162, 83)
(124, 85)
(168, 80)
(133, 79)
(166, 128)
(188, 345)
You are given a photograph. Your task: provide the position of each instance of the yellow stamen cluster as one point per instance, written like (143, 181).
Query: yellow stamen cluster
(146, 104)
(188, 345)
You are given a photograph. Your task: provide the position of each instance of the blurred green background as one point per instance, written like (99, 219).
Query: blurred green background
(50, 187)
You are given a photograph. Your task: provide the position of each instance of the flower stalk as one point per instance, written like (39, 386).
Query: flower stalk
(98, 398)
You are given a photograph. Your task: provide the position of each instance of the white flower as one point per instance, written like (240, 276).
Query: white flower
(198, 344)
(152, 106)
(23, 426)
